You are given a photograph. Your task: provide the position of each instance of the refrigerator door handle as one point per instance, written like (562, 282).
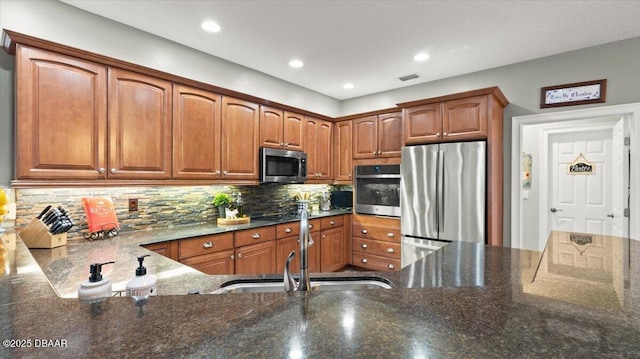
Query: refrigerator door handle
(440, 190)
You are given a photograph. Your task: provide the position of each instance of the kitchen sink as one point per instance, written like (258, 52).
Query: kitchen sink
(275, 285)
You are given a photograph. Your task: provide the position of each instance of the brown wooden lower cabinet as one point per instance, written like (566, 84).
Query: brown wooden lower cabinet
(332, 246)
(286, 245)
(256, 258)
(168, 249)
(218, 263)
(376, 242)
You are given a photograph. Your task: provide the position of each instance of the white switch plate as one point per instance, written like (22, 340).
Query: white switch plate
(525, 194)
(11, 212)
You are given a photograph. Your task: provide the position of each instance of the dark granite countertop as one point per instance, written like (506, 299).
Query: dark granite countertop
(463, 301)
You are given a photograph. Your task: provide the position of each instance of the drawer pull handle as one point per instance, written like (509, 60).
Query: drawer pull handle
(288, 230)
(390, 235)
(256, 235)
(364, 231)
(391, 250)
(364, 245)
(332, 222)
(364, 260)
(207, 245)
(391, 266)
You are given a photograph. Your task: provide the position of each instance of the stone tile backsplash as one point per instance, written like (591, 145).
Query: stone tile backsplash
(163, 206)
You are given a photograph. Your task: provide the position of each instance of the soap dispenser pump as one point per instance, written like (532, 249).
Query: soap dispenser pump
(142, 285)
(96, 287)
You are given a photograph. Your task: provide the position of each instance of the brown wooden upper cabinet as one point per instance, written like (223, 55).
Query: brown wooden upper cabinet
(139, 126)
(317, 145)
(196, 133)
(377, 136)
(61, 116)
(240, 139)
(455, 120)
(69, 109)
(280, 129)
(342, 147)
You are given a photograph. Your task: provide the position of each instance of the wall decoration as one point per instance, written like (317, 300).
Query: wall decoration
(526, 170)
(581, 166)
(578, 93)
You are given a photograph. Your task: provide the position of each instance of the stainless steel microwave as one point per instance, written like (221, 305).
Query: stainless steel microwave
(282, 166)
(377, 190)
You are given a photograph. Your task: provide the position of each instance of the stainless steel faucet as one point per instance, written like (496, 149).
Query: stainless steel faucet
(305, 241)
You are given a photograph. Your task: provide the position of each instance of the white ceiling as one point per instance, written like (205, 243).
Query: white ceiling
(372, 43)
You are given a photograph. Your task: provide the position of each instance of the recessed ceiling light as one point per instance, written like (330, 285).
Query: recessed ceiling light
(210, 26)
(421, 56)
(296, 64)
(348, 86)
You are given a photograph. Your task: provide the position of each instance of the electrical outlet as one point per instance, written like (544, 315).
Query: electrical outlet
(133, 204)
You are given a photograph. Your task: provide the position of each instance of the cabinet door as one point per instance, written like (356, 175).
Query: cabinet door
(465, 119)
(284, 246)
(422, 124)
(256, 259)
(219, 263)
(139, 126)
(196, 133)
(271, 129)
(292, 131)
(311, 133)
(390, 134)
(365, 144)
(61, 116)
(342, 145)
(240, 139)
(323, 150)
(332, 248)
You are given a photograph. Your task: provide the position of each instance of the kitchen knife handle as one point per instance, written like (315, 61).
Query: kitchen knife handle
(43, 212)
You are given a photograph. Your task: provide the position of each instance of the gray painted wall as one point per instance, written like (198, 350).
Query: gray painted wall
(58, 22)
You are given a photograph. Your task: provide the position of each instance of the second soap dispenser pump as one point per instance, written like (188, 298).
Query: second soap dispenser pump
(142, 285)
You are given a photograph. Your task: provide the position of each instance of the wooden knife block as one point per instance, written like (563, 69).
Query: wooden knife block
(36, 235)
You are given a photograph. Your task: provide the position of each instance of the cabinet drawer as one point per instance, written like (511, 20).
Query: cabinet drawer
(374, 262)
(254, 235)
(377, 233)
(219, 263)
(380, 248)
(206, 244)
(331, 222)
(287, 230)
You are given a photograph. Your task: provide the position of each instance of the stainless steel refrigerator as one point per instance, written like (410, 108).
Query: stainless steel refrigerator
(442, 196)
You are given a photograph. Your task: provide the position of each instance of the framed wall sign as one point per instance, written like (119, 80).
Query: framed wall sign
(581, 166)
(579, 93)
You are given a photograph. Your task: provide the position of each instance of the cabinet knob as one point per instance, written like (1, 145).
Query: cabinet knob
(364, 231)
(374, 152)
(113, 170)
(101, 170)
(310, 226)
(233, 257)
(391, 266)
(349, 175)
(438, 134)
(445, 134)
(286, 144)
(288, 230)
(391, 250)
(363, 245)
(225, 173)
(364, 260)
(281, 144)
(239, 255)
(379, 153)
(218, 173)
(332, 222)
(390, 235)
(207, 245)
(324, 236)
(256, 235)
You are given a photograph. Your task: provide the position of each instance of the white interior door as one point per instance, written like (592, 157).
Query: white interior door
(620, 177)
(580, 202)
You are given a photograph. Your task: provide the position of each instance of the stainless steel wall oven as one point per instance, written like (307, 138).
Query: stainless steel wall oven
(377, 190)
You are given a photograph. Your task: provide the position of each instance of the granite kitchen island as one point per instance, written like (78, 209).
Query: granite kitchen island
(463, 301)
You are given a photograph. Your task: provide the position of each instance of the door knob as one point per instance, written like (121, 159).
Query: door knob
(554, 210)
(610, 215)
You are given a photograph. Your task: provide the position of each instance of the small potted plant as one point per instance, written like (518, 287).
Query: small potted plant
(221, 201)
